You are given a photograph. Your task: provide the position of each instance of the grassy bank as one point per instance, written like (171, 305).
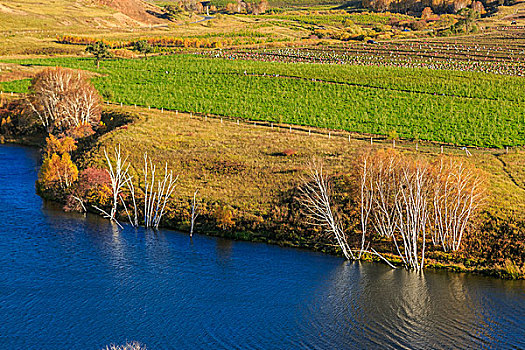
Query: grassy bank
(247, 177)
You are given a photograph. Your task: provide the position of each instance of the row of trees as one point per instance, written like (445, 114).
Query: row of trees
(405, 200)
(186, 6)
(239, 6)
(437, 6)
(67, 107)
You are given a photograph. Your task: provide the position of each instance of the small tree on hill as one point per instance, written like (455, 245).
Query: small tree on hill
(143, 47)
(100, 50)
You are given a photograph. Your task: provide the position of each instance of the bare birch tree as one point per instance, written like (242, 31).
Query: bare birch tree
(320, 210)
(194, 212)
(412, 212)
(131, 189)
(63, 98)
(118, 174)
(156, 192)
(316, 200)
(386, 182)
(458, 193)
(366, 187)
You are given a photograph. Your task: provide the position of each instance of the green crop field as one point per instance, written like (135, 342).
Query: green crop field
(464, 108)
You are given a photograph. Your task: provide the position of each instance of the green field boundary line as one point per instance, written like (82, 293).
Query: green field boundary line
(370, 86)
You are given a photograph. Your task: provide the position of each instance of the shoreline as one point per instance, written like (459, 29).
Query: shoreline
(209, 228)
(240, 141)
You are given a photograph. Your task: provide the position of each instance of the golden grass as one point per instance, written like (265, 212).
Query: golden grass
(245, 166)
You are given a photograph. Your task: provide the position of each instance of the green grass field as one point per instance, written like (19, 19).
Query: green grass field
(463, 108)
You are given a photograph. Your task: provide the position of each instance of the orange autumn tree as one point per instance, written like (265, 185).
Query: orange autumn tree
(58, 171)
(60, 145)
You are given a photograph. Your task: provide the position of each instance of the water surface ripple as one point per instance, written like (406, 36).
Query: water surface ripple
(74, 282)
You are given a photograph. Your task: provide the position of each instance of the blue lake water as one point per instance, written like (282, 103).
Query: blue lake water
(73, 282)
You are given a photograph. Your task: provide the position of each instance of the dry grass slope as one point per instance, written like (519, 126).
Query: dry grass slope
(247, 166)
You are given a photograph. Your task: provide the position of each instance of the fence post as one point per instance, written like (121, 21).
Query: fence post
(237, 121)
(221, 120)
(441, 149)
(290, 129)
(371, 141)
(329, 134)
(348, 137)
(309, 132)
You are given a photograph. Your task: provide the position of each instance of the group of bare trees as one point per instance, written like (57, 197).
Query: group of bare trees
(401, 199)
(63, 98)
(255, 8)
(437, 6)
(458, 193)
(156, 190)
(316, 198)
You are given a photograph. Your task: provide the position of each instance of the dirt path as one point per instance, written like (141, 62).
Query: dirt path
(204, 19)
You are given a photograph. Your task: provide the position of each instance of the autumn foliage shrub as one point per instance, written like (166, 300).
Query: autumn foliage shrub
(81, 131)
(93, 188)
(224, 217)
(14, 119)
(289, 152)
(58, 172)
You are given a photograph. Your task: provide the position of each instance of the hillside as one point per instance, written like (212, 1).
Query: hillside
(137, 9)
(27, 15)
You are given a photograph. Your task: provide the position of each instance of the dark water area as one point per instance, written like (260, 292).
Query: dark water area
(73, 282)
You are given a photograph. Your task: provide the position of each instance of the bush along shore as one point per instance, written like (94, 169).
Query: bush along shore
(174, 170)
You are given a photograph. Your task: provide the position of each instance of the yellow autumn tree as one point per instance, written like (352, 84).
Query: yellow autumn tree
(60, 145)
(58, 170)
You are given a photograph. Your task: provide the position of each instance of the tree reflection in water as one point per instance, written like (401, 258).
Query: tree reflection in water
(362, 304)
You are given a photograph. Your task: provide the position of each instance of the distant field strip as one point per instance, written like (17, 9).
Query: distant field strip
(463, 108)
